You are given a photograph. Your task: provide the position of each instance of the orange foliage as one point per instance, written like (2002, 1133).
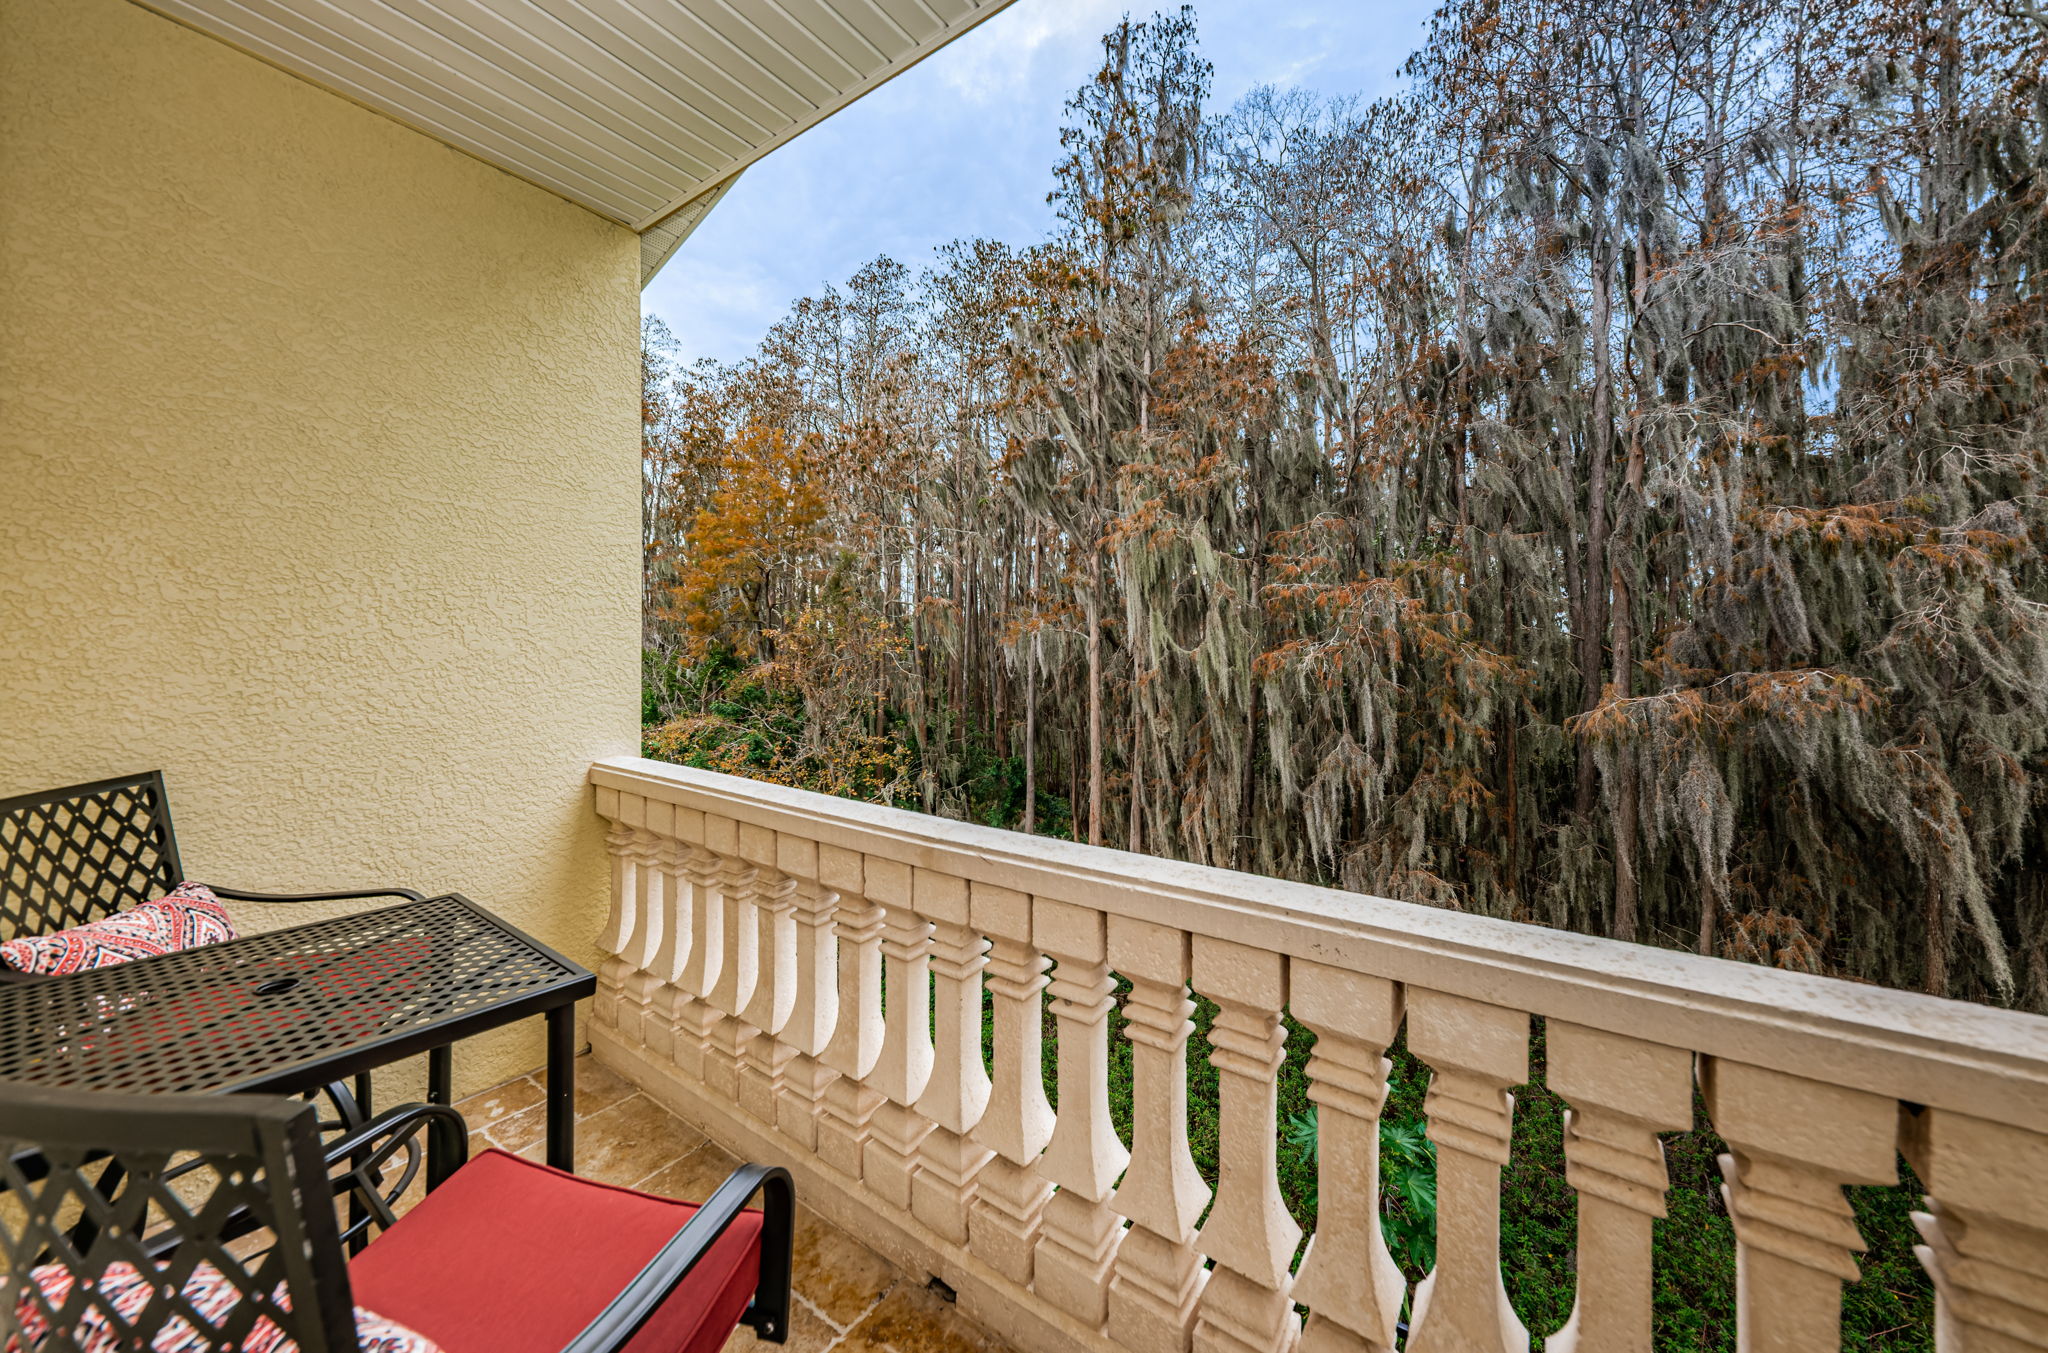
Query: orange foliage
(758, 528)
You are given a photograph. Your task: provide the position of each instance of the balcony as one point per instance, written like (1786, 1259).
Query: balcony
(321, 445)
(759, 938)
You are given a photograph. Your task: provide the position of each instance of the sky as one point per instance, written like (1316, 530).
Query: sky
(963, 145)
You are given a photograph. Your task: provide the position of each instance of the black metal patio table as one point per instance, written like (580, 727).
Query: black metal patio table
(291, 1010)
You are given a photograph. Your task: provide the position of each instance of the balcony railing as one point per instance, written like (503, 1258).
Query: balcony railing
(756, 930)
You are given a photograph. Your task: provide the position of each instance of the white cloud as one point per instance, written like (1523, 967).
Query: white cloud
(1002, 56)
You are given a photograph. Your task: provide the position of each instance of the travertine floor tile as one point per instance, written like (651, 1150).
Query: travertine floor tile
(836, 1273)
(501, 1101)
(629, 1141)
(807, 1334)
(598, 1087)
(913, 1319)
(522, 1131)
(693, 1177)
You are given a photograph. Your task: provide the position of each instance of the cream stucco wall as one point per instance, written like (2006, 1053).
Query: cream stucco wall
(318, 478)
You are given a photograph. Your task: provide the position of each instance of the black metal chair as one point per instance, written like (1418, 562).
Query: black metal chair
(79, 854)
(224, 1218)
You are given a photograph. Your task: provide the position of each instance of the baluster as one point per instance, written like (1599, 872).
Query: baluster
(816, 1000)
(1079, 1234)
(626, 812)
(735, 986)
(906, 1061)
(643, 942)
(1622, 1092)
(673, 955)
(611, 968)
(856, 1046)
(1009, 1202)
(948, 1160)
(764, 1056)
(1349, 1282)
(1159, 1274)
(1795, 1143)
(1986, 1228)
(1248, 1304)
(1475, 1052)
(696, 1019)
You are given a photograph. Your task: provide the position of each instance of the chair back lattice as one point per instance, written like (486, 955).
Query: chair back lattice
(73, 855)
(128, 1218)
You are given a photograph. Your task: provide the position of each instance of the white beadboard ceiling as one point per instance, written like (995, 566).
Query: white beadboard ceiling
(643, 111)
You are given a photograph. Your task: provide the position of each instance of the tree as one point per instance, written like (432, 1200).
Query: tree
(1597, 484)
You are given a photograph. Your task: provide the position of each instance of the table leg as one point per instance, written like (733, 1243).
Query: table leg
(357, 1213)
(440, 1081)
(562, 1087)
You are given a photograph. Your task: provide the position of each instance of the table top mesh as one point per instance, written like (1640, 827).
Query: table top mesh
(248, 1013)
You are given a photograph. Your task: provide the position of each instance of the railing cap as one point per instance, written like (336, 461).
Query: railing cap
(1953, 1055)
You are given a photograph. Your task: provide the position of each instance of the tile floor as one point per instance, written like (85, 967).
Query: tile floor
(848, 1298)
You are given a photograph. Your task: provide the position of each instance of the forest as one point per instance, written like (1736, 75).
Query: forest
(1598, 485)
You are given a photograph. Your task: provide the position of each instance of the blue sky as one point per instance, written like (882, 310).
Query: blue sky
(963, 144)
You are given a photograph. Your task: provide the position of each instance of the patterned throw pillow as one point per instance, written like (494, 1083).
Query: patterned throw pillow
(210, 1294)
(186, 917)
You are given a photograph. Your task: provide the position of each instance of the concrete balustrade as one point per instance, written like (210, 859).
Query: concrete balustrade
(804, 979)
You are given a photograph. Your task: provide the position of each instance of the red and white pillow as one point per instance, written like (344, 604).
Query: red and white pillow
(126, 1290)
(188, 916)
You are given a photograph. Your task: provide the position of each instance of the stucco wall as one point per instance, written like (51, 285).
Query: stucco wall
(318, 479)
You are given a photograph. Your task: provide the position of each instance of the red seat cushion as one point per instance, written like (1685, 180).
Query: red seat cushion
(513, 1257)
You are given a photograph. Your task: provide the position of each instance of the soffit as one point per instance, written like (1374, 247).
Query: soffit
(641, 110)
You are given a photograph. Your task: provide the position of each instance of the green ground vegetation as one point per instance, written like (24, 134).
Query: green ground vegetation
(1892, 1307)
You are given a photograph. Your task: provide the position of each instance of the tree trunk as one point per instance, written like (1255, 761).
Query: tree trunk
(1934, 909)
(1600, 449)
(1710, 910)
(1094, 619)
(1248, 788)
(1031, 661)
(1627, 882)
(997, 677)
(1137, 831)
